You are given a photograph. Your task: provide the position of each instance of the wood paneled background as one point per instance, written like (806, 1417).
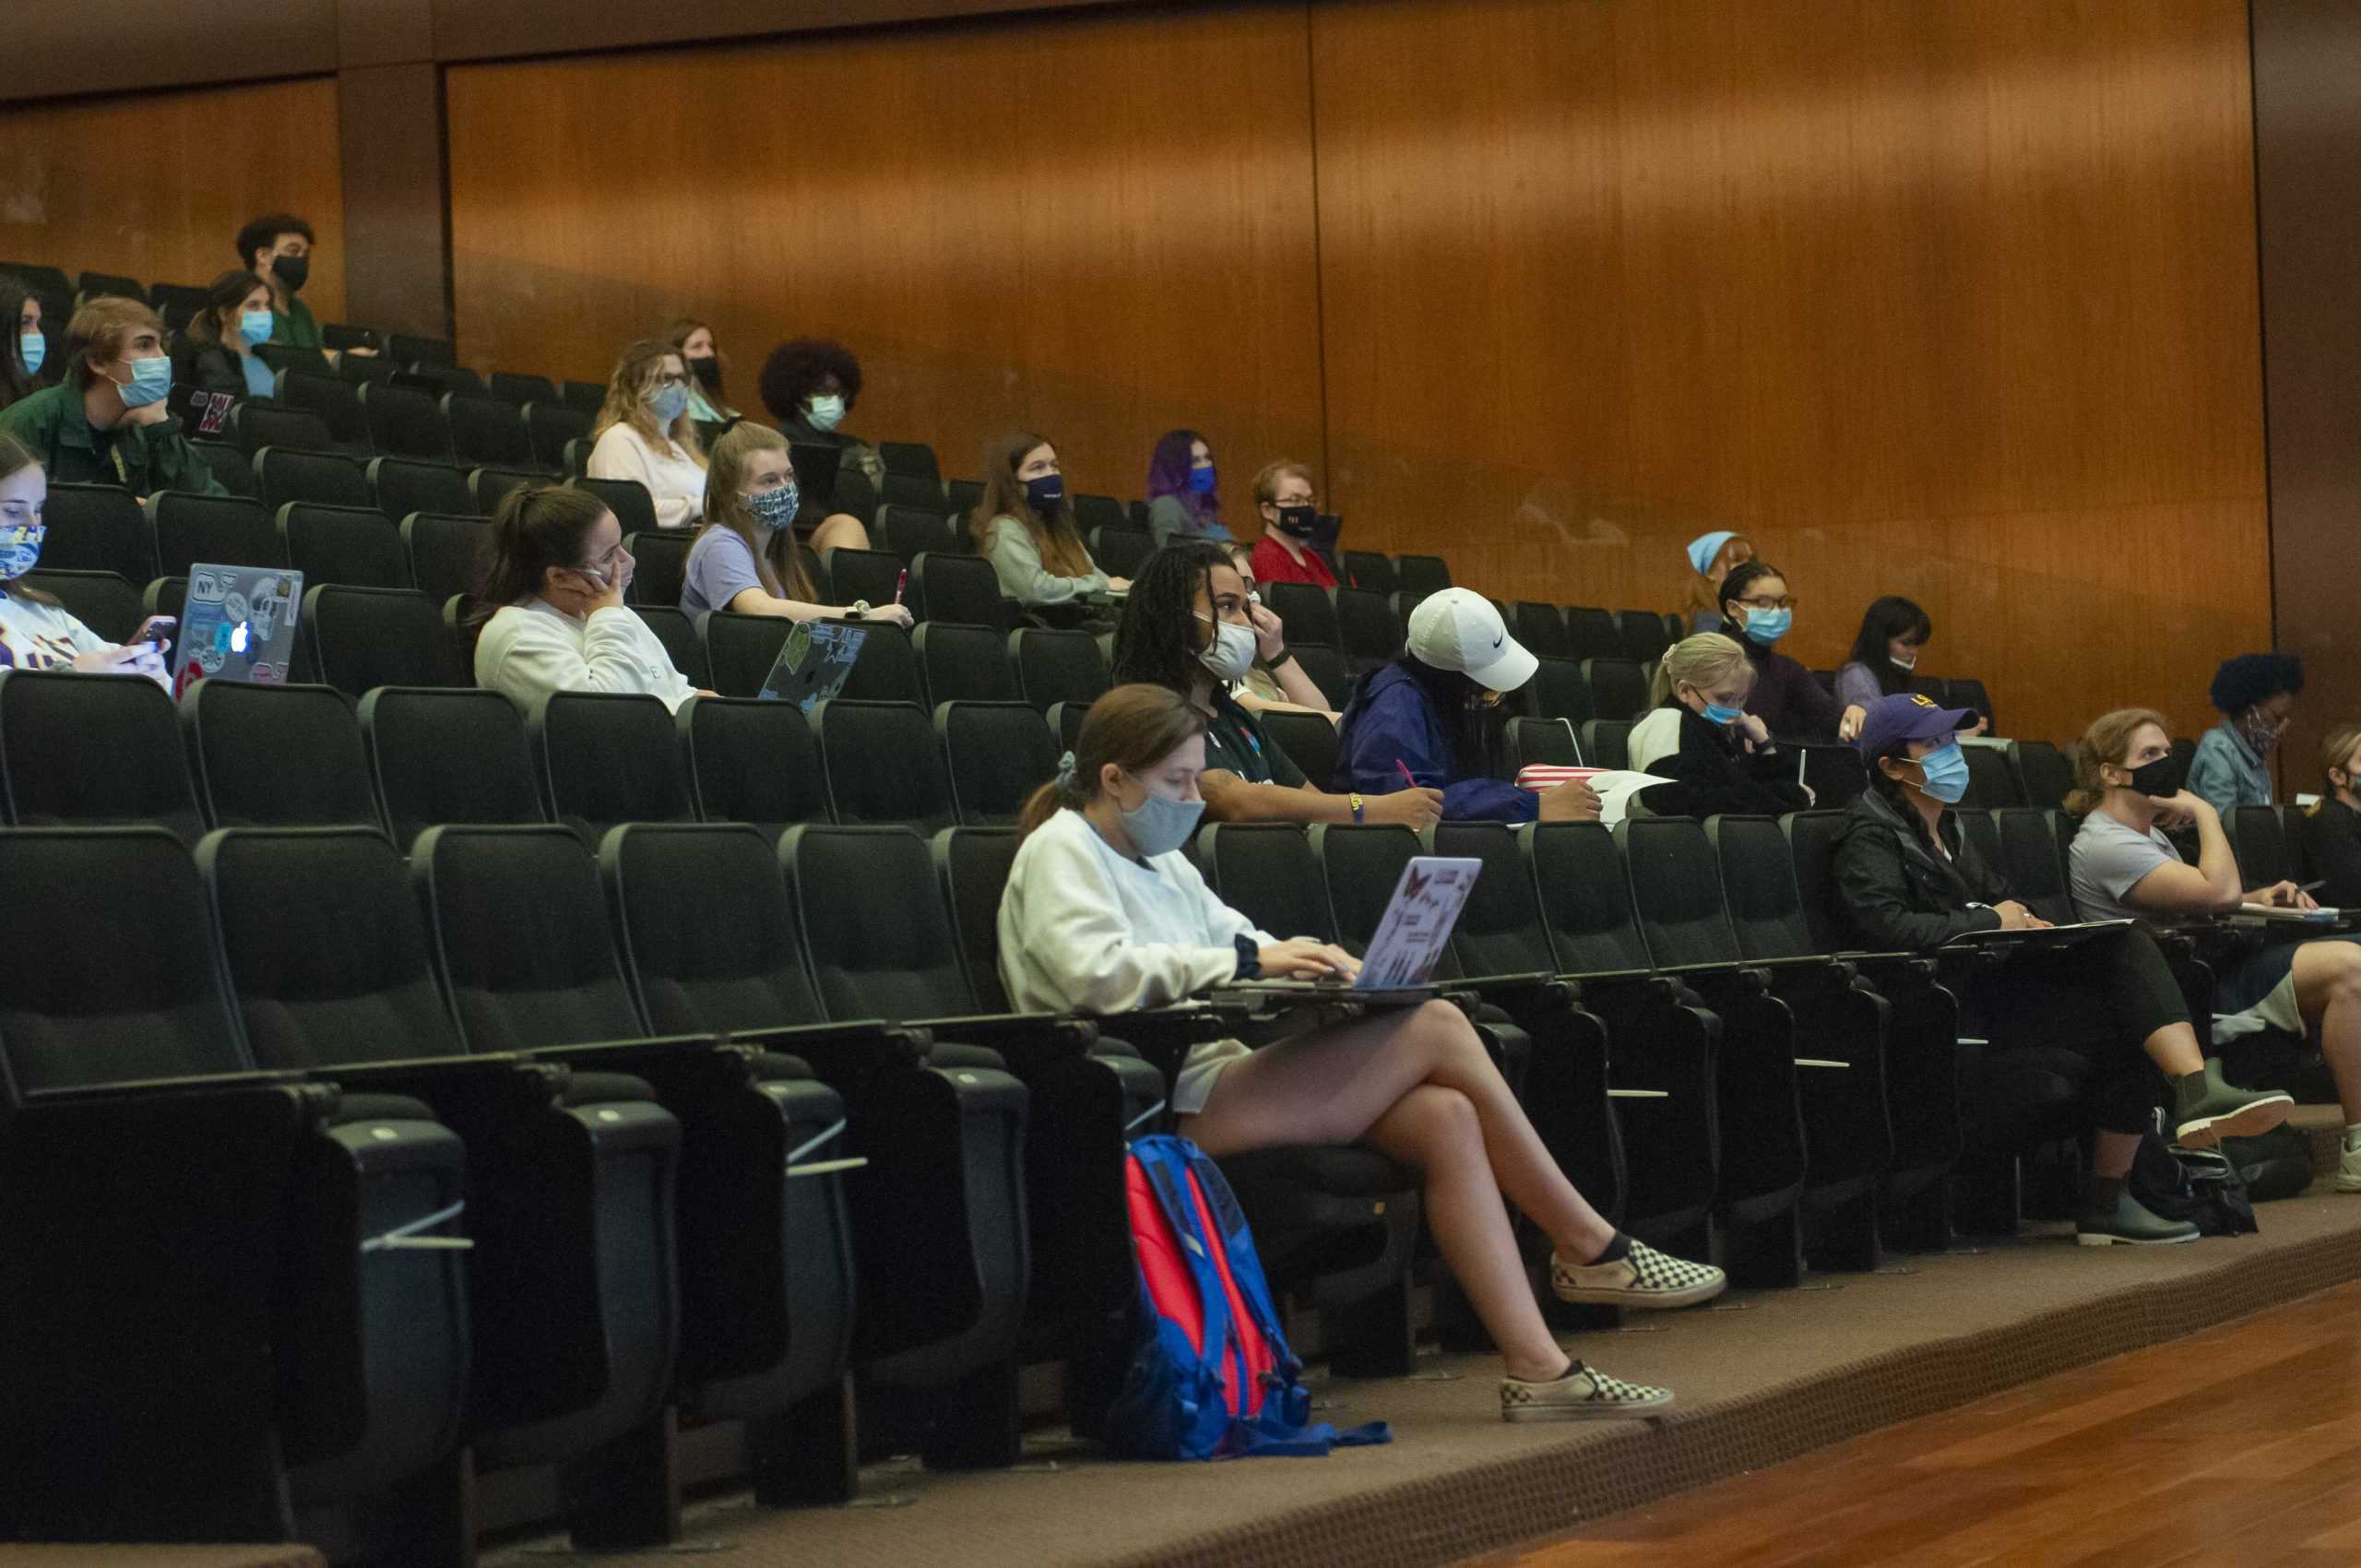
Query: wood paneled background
(1955, 298)
(157, 186)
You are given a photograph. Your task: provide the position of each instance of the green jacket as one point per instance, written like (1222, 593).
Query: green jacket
(142, 459)
(294, 326)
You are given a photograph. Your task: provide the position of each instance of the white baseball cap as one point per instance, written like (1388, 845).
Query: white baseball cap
(1458, 629)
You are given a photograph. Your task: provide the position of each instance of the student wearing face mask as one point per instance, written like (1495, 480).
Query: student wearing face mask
(2130, 784)
(1104, 914)
(709, 403)
(36, 632)
(1758, 610)
(550, 616)
(1720, 757)
(646, 434)
(1286, 500)
(1911, 882)
(1712, 556)
(2333, 823)
(1266, 686)
(217, 349)
(1189, 628)
(1433, 720)
(2255, 694)
(278, 250)
(810, 385)
(1025, 526)
(1183, 494)
(106, 422)
(25, 349)
(743, 558)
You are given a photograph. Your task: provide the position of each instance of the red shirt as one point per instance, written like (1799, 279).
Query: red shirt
(1274, 565)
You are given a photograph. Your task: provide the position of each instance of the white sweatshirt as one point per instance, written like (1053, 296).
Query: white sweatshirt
(1084, 930)
(672, 476)
(532, 647)
(42, 637)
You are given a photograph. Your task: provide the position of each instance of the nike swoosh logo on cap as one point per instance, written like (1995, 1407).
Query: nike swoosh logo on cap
(1499, 640)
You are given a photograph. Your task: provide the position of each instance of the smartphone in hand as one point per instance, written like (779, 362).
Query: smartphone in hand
(157, 629)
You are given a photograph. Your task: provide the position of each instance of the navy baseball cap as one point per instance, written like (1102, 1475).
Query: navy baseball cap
(1893, 722)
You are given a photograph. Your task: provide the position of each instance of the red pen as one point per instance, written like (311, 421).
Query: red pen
(1405, 768)
(901, 583)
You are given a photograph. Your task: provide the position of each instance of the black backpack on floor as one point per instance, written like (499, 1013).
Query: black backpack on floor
(2198, 1185)
(2277, 1165)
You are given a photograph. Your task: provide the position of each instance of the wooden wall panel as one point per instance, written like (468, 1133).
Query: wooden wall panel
(1094, 227)
(2308, 171)
(1953, 299)
(157, 186)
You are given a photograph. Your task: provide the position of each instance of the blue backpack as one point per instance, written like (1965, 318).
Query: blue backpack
(1210, 1376)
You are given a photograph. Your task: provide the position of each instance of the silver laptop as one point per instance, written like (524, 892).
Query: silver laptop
(237, 623)
(1410, 938)
(814, 662)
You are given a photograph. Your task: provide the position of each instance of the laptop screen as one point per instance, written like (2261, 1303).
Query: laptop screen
(1425, 904)
(814, 663)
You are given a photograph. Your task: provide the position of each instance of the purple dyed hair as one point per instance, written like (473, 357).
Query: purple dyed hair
(1167, 474)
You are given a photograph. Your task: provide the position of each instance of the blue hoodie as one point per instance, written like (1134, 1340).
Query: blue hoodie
(1392, 718)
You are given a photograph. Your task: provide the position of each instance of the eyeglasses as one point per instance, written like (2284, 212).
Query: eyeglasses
(1788, 602)
(1292, 500)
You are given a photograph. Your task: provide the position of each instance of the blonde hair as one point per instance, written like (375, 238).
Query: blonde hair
(1266, 483)
(2336, 751)
(627, 402)
(1697, 661)
(725, 508)
(97, 330)
(2105, 745)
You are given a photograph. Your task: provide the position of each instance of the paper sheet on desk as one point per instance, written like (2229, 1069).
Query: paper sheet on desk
(1616, 786)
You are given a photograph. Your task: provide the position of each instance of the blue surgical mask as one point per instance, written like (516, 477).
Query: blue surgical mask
(775, 508)
(1045, 492)
(1767, 627)
(254, 325)
(150, 380)
(1202, 481)
(19, 549)
(1717, 714)
(1946, 773)
(1161, 824)
(33, 348)
(825, 414)
(667, 403)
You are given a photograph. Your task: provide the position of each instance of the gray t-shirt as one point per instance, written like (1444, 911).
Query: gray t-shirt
(2108, 860)
(721, 568)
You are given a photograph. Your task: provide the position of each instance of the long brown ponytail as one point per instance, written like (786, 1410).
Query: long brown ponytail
(1134, 727)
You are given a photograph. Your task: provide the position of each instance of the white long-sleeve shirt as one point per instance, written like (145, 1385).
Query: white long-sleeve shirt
(1084, 930)
(672, 476)
(532, 647)
(42, 637)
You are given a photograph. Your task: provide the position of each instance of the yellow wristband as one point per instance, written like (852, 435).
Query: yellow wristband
(1356, 806)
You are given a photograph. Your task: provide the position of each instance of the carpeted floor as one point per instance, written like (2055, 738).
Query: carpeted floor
(1761, 1376)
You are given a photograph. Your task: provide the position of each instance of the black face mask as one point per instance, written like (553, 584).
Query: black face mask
(708, 371)
(292, 270)
(2161, 778)
(1297, 520)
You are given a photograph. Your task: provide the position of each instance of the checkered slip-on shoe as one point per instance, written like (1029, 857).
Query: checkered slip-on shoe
(1585, 1394)
(1644, 1278)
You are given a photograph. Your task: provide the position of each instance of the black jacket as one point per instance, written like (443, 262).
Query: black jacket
(1712, 773)
(2333, 835)
(1898, 894)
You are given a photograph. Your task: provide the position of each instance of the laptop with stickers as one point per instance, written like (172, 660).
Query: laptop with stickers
(1409, 941)
(237, 623)
(814, 662)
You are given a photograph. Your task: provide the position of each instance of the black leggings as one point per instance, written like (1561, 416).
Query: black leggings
(2101, 1000)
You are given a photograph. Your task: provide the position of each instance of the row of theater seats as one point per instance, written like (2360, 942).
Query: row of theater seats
(625, 1274)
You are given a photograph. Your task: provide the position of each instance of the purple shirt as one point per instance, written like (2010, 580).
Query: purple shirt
(721, 568)
(1787, 698)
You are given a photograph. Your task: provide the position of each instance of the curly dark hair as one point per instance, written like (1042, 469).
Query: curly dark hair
(262, 233)
(1157, 641)
(795, 370)
(2249, 679)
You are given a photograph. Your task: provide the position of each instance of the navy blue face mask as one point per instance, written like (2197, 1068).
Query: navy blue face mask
(1045, 492)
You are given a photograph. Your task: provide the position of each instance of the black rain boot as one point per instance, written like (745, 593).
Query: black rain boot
(2111, 1216)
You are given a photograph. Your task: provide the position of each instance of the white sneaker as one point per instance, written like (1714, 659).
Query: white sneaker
(1644, 1278)
(1583, 1393)
(2348, 1167)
